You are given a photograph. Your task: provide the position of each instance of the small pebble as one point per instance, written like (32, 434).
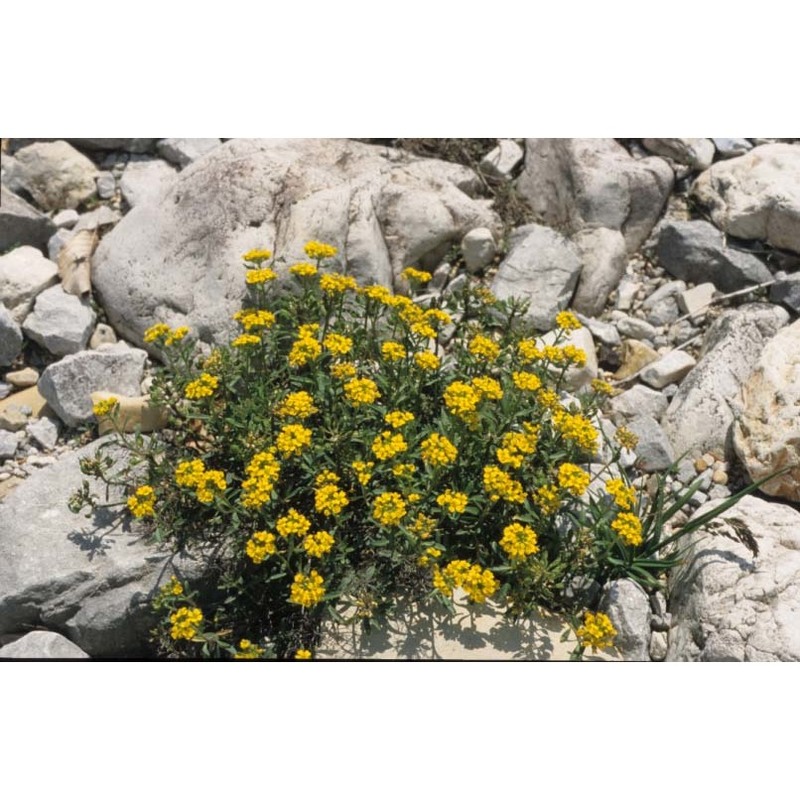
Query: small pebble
(720, 477)
(23, 378)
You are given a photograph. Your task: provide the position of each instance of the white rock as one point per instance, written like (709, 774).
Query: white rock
(695, 153)
(653, 451)
(56, 242)
(478, 248)
(44, 432)
(670, 368)
(633, 327)
(8, 445)
(103, 334)
(730, 148)
(183, 151)
(637, 401)
(66, 218)
(24, 273)
(503, 159)
(92, 220)
(695, 301)
(60, 322)
(602, 253)
(146, 181)
(42, 645)
(23, 378)
(106, 185)
(628, 607)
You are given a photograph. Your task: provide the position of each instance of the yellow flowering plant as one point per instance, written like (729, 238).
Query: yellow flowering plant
(351, 448)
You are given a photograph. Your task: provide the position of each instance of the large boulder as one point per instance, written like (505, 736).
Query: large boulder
(178, 259)
(602, 253)
(756, 196)
(700, 414)
(146, 181)
(21, 223)
(594, 183)
(767, 432)
(728, 604)
(90, 579)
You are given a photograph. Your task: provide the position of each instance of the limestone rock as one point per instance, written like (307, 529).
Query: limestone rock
(10, 337)
(695, 153)
(729, 605)
(178, 260)
(61, 323)
(695, 301)
(68, 384)
(182, 152)
(133, 413)
(695, 251)
(730, 148)
(106, 185)
(503, 159)
(66, 218)
(54, 174)
(661, 307)
(24, 273)
(103, 334)
(21, 224)
(602, 253)
(100, 217)
(654, 451)
(44, 432)
(637, 401)
(700, 414)
(543, 267)
(42, 645)
(767, 432)
(786, 290)
(577, 183)
(628, 607)
(8, 445)
(635, 356)
(146, 181)
(633, 327)
(670, 368)
(478, 248)
(756, 196)
(23, 377)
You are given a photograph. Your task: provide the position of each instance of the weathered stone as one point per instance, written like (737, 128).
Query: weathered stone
(695, 251)
(635, 356)
(42, 645)
(183, 151)
(503, 159)
(132, 414)
(654, 451)
(106, 185)
(66, 218)
(729, 605)
(8, 445)
(695, 153)
(695, 301)
(730, 148)
(23, 377)
(12, 419)
(478, 248)
(542, 267)
(603, 256)
(633, 327)
(101, 216)
(44, 432)
(786, 290)
(661, 307)
(57, 242)
(21, 224)
(103, 334)
(767, 432)
(700, 415)
(628, 607)
(146, 181)
(10, 337)
(68, 384)
(659, 644)
(179, 260)
(28, 400)
(91, 579)
(54, 174)
(577, 183)
(603, 332)
(637, 401)
(756, 196)
(626, 293)
(61, 323)
(670, 368)
(24, 273)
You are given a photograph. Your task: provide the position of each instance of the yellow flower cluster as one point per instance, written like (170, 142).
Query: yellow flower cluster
(453, 502)
(438, 450)
(487, 387)
(246, 340)
(547, 499)
(427, 361)
(549, 399)
(163, 331)
(318, 544)
(602, 387)
(418, 275)
(423, 526)
(185, 622)
(597, 631)
(260, 545)
(293, 523)
(173, 587)
(363, 470)
(257, 256)
(515, 445)
(530, 351)
(403, 471)
(297, 404)
(302, 655)
(292, 440)
(626, 438)
(576, 428)
(519, 541)
(379, 293)
(333, 283)
(253, 319)
(248, 651)
(307, 590)
(211, 482)
(461, 400)
(337, 344)
(255, 276)
(478, 583)
(398, 418)
(624, 495)
(319, 250)
(526, 381)
(430, 554)
(204, 386)
(325, 477)
(567, 321)
(343, 371)
(303, 269)
(393, 351)
(484, 347)
(573, 479)
(189, 473)
(103, 408)
(501, 486)
(361, 391)
(140, 503)
(262, 473)
(629, 528)
(566, 355)
(330, 500)
(389, 508)
(304, 349)
(386, 445)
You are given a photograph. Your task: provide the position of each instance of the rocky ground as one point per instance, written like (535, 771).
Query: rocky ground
(681, 257)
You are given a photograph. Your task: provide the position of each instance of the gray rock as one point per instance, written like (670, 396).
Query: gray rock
(670, 368)
(700, 415)
(54, 174)
(602, 253)
(786, 290)
(695, 301)
(695, 153)
(183, 151)
(106, 185)
(56, 243)
(66, 218)
(8, 445)
(603, 332)
(101, 216)
(68, 384)
(730, 148)
(478, 248)
(61, 323)
(756, 196)
(10, 337)
(626, 293)
(661, 307)
(542, 267)
(42, 645)
(729, 605)
(103, 334)
(503, 160)
(22, 224)
(637, 401)
(23, 378)
(659, 645)
(178, 260)
(654, 451)
(633, 327)
(14, 418)
(90, 579)
(5, 389)
(577, 183)
(44, 431)
(146, 181)
(695, 251)
(628, 607)
(24, 273)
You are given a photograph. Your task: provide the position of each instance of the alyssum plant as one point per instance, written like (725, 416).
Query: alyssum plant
(335, 458)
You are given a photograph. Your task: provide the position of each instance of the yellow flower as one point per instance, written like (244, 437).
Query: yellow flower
(173, 587)
(307, 590)
(597, 631)
(248, 651)
(431, 554)
(363, 470)
(418, 275)
(427, 361)
(337, 344)
(343, 371)
(361, 391)
(398, 418)
(393, 351)
(548, 398)
(527, 381)
(567, 321)
(176, 336)
(245, 340)
(262, 471)
(602, 387)
(293, 523)
(254, 276)
(140, 504)
(516, 445)
(519, 541)
(530, 351)
(318, 544)
(304, 349)
(402, 471)
(320, 250)
(297, 404)
(379, 293)
(624, 495)
(389, 508)
(103, 408)
(478, 583)
(334, 283)
(303, 270)
(185, 622)
(438, 316)
(563, 356)
(326, 477)
(157, 331)
(626, 438)
(488, 387)
(547, 499)
(330, 500)
(461, 399)
(257, 256)
(251, 319)
(501, 486)
(484, 348)
(386, 445)
(576, 428)
(573, 479)
(438, 450)
(629, 528)
(293, 439)
(454, 502)
(204, 386)
(302, 655)
(260, 545)
(423, 526)
(206, 485)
